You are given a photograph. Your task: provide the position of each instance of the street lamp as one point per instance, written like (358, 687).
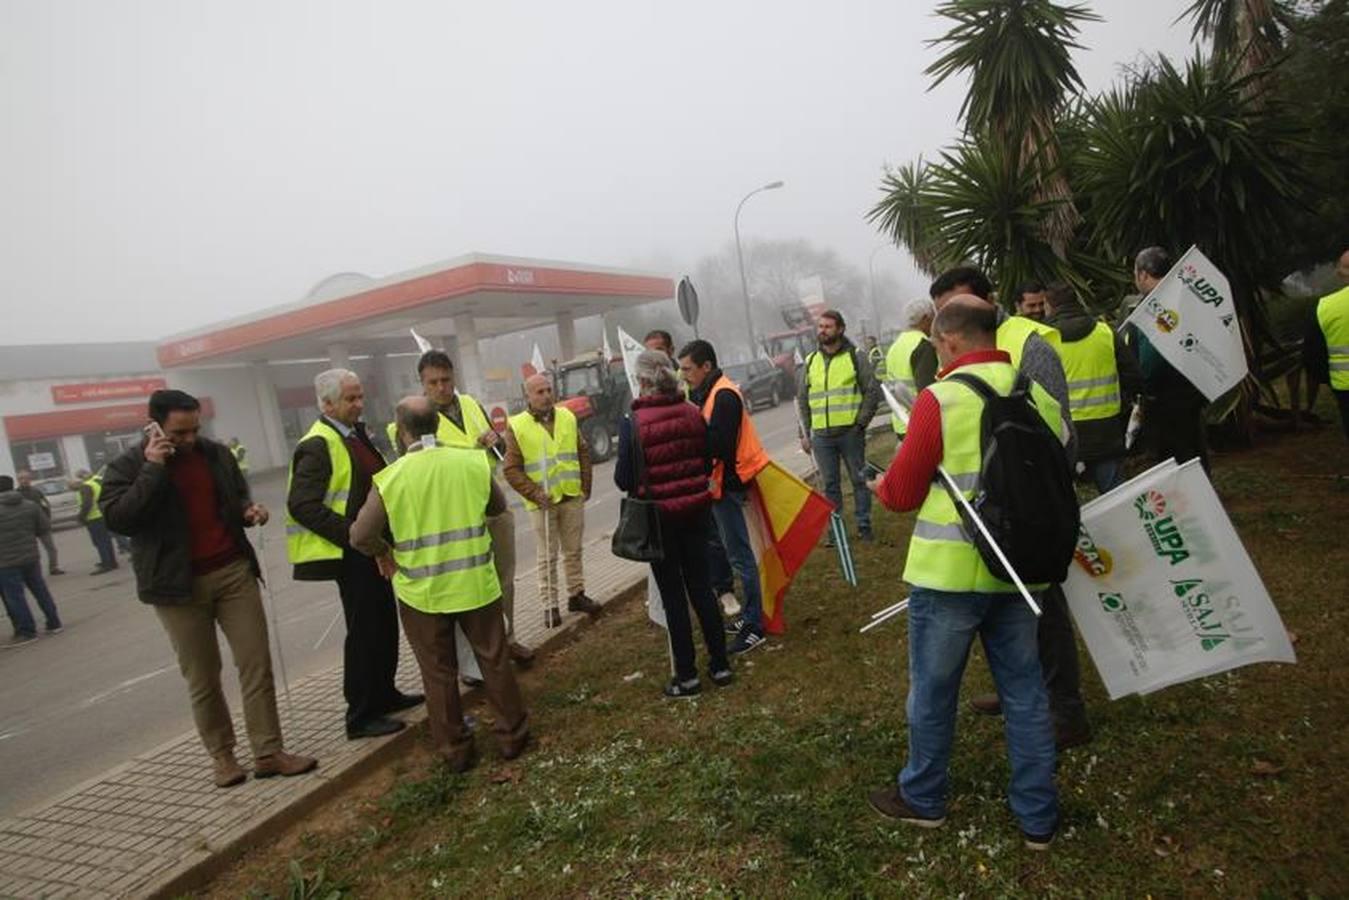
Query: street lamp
(740, 258)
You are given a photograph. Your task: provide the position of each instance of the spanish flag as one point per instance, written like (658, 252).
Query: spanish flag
(785, 518)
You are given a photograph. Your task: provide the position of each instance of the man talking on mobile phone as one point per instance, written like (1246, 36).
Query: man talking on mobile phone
(185, 504)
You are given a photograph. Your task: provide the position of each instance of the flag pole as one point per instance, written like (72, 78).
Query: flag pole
(974, 517)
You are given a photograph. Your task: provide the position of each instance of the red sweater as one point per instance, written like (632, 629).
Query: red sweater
(905, 484)
(211, 546)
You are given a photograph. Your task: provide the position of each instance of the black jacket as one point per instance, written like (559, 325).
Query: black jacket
(311, 468)
(140, 500)
(723, 428)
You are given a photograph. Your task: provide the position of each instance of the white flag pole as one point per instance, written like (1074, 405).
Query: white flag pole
(884, 616)
(899, 411)
(276, 624)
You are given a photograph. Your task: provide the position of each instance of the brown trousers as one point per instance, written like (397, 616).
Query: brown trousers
(230, 598)
(502, 530)
(566, 526)
(431, 636)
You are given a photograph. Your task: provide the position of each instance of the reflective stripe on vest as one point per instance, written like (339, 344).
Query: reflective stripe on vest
(1016, 330)
(899, 372)
(436, 500)
(750, 456)
(550, 459)
(451, 435)
(1093, 378)
(95, 483)
(303, 545)
(1332, 314)
(941, 556)
(832, 391)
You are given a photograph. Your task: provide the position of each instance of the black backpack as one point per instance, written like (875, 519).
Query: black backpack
(1025, 495)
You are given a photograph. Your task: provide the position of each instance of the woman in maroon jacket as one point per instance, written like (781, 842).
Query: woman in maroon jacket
(673, 439)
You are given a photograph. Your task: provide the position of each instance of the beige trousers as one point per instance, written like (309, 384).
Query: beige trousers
(227, 597)
(566, 528)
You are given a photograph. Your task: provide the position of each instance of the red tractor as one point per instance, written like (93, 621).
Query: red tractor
(784, 347)
(596, 391)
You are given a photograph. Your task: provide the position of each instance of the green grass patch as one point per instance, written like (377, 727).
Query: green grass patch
(1232, 785)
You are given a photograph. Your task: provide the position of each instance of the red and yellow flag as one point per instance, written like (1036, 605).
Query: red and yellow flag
(785, 518)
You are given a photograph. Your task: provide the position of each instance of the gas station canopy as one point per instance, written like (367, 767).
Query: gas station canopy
(471, 297)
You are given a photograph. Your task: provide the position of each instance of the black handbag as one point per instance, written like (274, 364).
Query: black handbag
(638, 536)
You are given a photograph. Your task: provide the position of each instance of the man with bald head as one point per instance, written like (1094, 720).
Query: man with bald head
(548, 464)
(954, 597)
(434, 503)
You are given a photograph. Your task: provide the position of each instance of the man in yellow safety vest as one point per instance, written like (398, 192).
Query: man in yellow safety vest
(548, 464)
(954, 597)
(1103, 382)
(435, 502)
(911, 363)
(1325, 348)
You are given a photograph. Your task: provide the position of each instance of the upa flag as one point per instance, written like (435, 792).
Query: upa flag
(631, 348)
(1162, 589)
(785, 519)
(1190, 319)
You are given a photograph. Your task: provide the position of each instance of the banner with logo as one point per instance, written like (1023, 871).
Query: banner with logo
(1161, 588)
(1192, 321)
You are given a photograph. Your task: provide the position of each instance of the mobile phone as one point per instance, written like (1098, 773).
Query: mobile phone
(154, 432)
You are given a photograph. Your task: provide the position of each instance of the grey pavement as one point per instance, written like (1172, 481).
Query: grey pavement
(106, 790)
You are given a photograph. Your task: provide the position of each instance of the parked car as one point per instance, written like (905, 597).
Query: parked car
(761, 382)
(65, 503)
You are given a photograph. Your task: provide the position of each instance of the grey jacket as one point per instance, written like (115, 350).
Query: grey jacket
(21, 522)
(1042, 366)
(866, 383)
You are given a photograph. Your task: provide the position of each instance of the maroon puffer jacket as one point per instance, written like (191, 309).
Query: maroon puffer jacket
(674, 448)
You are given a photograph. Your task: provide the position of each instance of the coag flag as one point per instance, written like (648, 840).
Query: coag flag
(1162, 589)
(1191, 320)
(785, 519)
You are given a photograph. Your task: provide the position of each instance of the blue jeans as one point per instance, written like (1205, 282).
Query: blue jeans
(1107, 474)
(729, 512)
(850, 448)
(942, 626)
(13, 579)
(102, 538)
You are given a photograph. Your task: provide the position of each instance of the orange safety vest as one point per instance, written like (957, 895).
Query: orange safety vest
(750, 456)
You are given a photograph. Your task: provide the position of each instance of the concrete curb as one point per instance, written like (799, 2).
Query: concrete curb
(195, 873)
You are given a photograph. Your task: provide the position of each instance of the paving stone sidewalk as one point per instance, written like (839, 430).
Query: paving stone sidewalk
(144, 828)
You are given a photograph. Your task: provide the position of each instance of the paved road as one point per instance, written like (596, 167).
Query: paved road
(79, 703)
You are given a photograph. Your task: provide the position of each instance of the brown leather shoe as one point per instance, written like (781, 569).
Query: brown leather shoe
(283, 763)
(583, 604)
(522, 655)
(228, 772)
(986, 704)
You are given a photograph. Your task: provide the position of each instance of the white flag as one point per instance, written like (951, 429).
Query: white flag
(537, 360)
(631, 348)
(1162, 589)
(1191, 319)
(608, 353)
(797, 359)
(422, 343)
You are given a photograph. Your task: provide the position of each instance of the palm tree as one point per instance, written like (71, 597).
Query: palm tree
(1018, 54)
(1248, 30)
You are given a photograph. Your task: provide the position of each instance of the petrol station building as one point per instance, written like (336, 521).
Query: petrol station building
(73, 406)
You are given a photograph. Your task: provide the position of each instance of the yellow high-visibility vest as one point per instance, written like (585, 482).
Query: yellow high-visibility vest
(551, 459)
(436, 500)
(1092, 373)
(832, 391)
(899, 372)
(1332, 314)
(95, 483)
(941, 555)
(303, 545)
(451, 435)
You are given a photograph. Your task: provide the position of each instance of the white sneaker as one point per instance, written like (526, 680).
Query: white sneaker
(729, 605)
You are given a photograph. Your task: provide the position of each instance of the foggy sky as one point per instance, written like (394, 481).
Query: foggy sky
(168, 164)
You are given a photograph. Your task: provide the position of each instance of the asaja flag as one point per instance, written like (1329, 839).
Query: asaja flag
(1191, 320)
(631, 348)
(1162, 589)
(785, 519)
